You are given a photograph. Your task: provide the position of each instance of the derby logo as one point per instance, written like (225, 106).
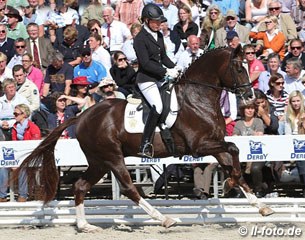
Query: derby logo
(8, 153)
(299, 149)
(256, 151)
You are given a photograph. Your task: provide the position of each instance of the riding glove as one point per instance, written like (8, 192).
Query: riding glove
(172, 73)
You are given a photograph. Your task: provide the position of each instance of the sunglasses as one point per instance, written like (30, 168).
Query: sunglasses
(2, 31)
(86, 55)
(93, 30)
(274, 8)
(122, 59)
(279, 83)
(61, 100)
(109, 85)
(2, 9)
(22, 46)
(214, 13)
(230, 18)
(25, 60)
(268, 22)
(248, 53)
(17, 114)
(298, 48)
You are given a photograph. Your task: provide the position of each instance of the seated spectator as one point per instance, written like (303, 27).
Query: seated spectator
(191, 53)
(256, 11)
(174, 47)
(99, 53)
(6, 43)
(70, 47)
(59, 75)
(295, 49)
(128, 12)
(15, 26)
(19, 48)
(32, 73)
(231, 24)
(93, 11)
(295, 123)
(273, 38)
(228, 104)
(194, 11)
(250, 125)
(170, 12)
(295, 73)
(233, 40)
(123, 74)
(278, 98)
(94, 26)
(185, 27)
(127, 47)
(23, 129)
(273, 67)
(226, 5)
(107, 88)
(5, 72)
(255, 66)
(59, 112)
(211, 23)
(26, 88)
(8, 101)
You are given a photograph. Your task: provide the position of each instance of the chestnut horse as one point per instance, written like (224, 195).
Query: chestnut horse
(198, 131)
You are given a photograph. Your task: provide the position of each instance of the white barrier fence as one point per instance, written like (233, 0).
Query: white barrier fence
(252, 148)
(186, 212)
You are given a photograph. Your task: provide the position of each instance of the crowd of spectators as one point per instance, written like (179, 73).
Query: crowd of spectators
(59, 58)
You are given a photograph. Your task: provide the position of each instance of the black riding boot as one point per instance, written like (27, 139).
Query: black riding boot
(168, 141)
(146, 148)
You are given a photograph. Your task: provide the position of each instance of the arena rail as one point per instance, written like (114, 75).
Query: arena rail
(185, 212)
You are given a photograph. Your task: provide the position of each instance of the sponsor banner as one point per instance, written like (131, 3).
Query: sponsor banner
(253, 148)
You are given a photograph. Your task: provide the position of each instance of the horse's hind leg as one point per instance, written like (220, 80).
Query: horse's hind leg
(93, 174)
(236, 178)
(129, 190)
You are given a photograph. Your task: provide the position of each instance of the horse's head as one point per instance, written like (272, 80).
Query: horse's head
(240, 81)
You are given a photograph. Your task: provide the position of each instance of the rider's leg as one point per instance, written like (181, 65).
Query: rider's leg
(151, 93)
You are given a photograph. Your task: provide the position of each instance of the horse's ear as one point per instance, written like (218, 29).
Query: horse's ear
(237, 52)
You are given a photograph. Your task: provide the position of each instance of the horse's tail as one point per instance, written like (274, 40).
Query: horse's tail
(42, 158)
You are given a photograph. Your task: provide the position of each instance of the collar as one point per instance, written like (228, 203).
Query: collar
(154, 34)
(2, 43)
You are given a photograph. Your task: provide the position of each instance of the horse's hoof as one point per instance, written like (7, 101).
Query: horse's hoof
(88, 228)
(266, 211)
(227, 185)
(168, 222)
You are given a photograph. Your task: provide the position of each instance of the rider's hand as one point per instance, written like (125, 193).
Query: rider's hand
(172, 73)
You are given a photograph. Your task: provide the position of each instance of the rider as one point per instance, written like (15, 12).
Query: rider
(154, 66)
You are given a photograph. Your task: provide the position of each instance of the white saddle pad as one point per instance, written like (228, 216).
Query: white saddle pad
(133, 118)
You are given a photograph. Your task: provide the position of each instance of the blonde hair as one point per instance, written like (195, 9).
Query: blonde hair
(187, 10)
(3, 57)
(291, 113)
(24, 109)
(207, 23)
(8, 81)
(273, 19)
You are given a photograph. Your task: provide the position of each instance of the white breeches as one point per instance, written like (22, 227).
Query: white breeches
(151, 93)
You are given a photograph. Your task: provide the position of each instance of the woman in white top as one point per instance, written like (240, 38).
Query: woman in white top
(256, 10)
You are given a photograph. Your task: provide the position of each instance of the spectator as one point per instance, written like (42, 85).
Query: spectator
(128, 49)
(93, 11)
(30, 15)
(170, 12)
(23, 129)
(116, 31)
(193, 5)
(211, 23)
(297, 14)
(295, 73)
(26, 88)
(295, 50)
(19, 47)
(174, 47)
(15, 28)
(295, 123)
(32, 73)
(39, 47)
(286, 23)
(128, 12)
(60, 112)
(107, 88)
(5, 72)
(94, 71)
(255, 66)
(273, 67)
(6, 43)
(250, 125)
(123, 74)
(231, 25)
(233, 40)
(94, 26)
(99, 53)
(256, 11)
(227, 5)
(273, 39)
(59, 75)
(228, 104)
(70, 47)
(8, 101)
(191, 53)
(185, 27)
(278, 99)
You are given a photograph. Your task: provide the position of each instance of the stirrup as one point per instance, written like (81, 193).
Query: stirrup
(145, 151)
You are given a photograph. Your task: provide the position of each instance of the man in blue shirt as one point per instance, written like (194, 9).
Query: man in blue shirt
(225, 5)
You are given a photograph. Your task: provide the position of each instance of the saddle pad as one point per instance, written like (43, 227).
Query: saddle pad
(133, 118)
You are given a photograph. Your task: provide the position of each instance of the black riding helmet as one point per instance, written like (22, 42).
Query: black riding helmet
(153, 12)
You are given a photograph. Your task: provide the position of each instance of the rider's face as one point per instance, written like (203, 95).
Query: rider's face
(154, 25)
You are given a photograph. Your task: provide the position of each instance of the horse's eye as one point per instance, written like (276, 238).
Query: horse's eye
(240, 70)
